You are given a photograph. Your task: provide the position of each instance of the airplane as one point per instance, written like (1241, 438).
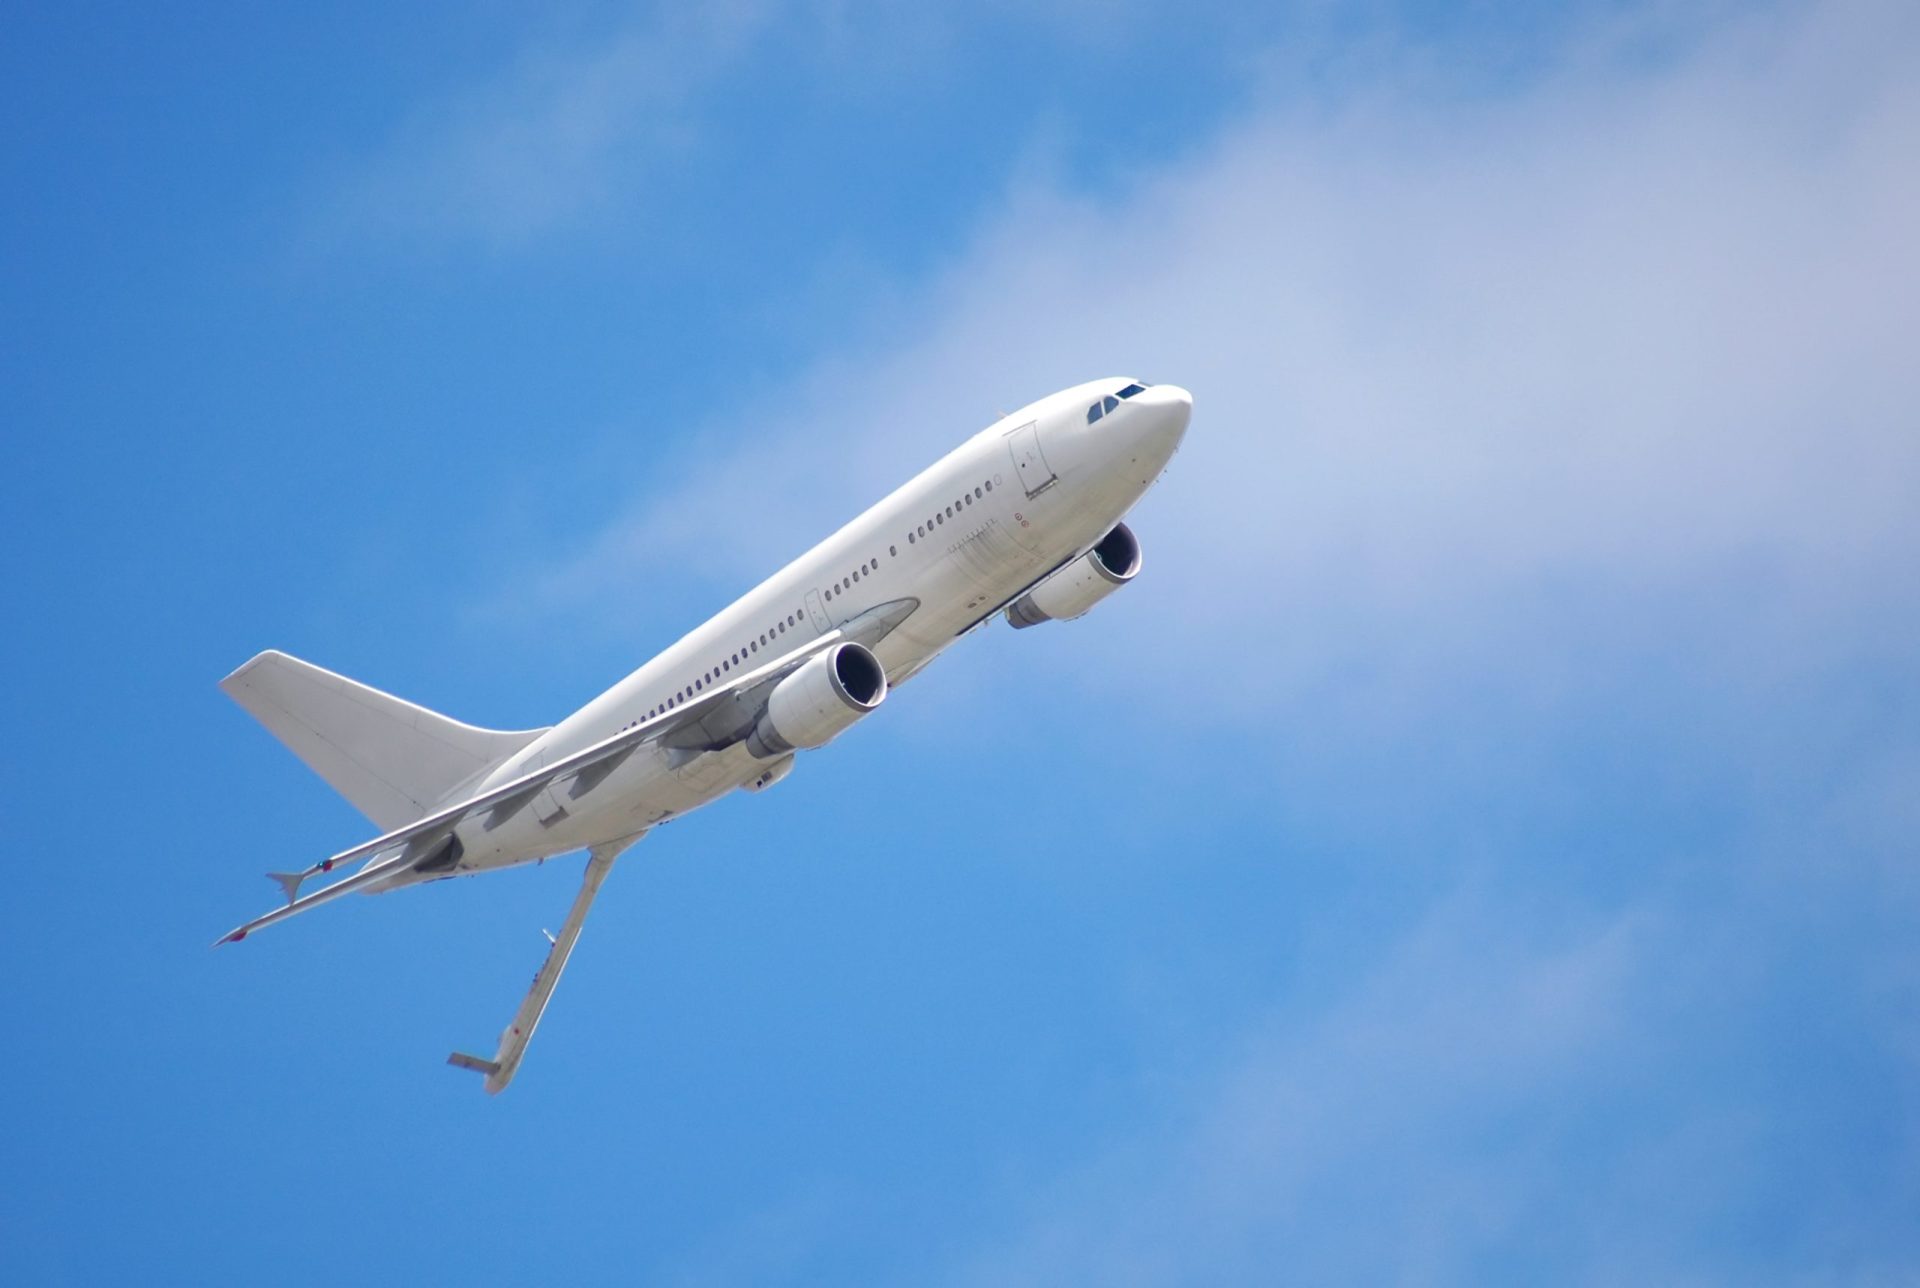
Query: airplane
(1023, 520)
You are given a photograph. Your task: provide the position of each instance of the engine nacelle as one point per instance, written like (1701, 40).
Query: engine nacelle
(830, 690)
(1107, 567)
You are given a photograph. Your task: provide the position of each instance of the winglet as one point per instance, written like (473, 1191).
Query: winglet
(461, 1060)
(290, 882)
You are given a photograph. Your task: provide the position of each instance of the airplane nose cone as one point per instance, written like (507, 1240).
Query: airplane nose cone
(1167, 410)
(1173, 401)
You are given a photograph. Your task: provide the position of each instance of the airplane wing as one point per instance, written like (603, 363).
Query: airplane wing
(499, 1071)
(420, 840)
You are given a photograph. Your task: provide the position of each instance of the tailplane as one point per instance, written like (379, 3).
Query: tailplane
(393, 760)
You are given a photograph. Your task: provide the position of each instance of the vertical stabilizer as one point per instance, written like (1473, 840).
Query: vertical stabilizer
(393, 760)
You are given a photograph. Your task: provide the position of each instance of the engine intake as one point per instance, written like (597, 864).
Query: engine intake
(1069, 593)
(819, 701)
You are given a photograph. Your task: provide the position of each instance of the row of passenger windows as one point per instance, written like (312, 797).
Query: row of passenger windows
(939, 519)
(737, 658)
(941, 516)
(792, 620)
(1111, 401)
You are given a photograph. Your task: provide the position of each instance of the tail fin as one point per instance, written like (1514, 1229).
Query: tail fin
(392, 759)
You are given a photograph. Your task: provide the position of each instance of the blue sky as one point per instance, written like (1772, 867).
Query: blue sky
(1480, 849)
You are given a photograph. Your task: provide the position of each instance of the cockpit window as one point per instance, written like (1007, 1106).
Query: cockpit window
(1094, 413)
(1109, 402)
(1135, 388)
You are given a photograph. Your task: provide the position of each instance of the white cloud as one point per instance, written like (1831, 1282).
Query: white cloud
(1634, 329)
(1612, 366)
(1396, 1112)
(564, 130)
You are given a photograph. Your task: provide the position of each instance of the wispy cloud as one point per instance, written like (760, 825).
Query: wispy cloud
(551, 138)
(1461, 1036)
(582, 132)
(1581, 405)
(1632, 326)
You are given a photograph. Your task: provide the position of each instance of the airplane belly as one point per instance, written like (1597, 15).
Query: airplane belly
(559, 820)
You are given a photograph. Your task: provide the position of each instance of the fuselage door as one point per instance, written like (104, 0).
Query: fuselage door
(816, 614)
(1035, 474)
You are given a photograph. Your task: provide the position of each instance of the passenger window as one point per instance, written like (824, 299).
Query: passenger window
(939, 518)
(894, 551)
(976, 494)
(989, 485)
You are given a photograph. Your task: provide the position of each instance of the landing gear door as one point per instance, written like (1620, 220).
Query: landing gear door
(1036, 476)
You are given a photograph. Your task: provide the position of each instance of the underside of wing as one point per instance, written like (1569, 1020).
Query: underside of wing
(506, 1059)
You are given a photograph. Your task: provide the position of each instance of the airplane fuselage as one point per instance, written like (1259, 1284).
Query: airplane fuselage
(944, 552)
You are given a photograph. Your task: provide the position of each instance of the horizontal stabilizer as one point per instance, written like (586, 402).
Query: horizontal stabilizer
(376, 871)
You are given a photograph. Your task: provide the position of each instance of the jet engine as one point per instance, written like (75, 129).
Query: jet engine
(830, 690)
(1083, 583)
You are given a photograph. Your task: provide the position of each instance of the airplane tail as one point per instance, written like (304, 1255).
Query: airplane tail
(393, 760)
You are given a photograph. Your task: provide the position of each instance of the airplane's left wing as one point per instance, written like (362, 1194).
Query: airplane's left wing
(506, 1059)
(418, 842)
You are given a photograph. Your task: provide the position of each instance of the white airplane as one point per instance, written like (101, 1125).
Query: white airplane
(1023, 518)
